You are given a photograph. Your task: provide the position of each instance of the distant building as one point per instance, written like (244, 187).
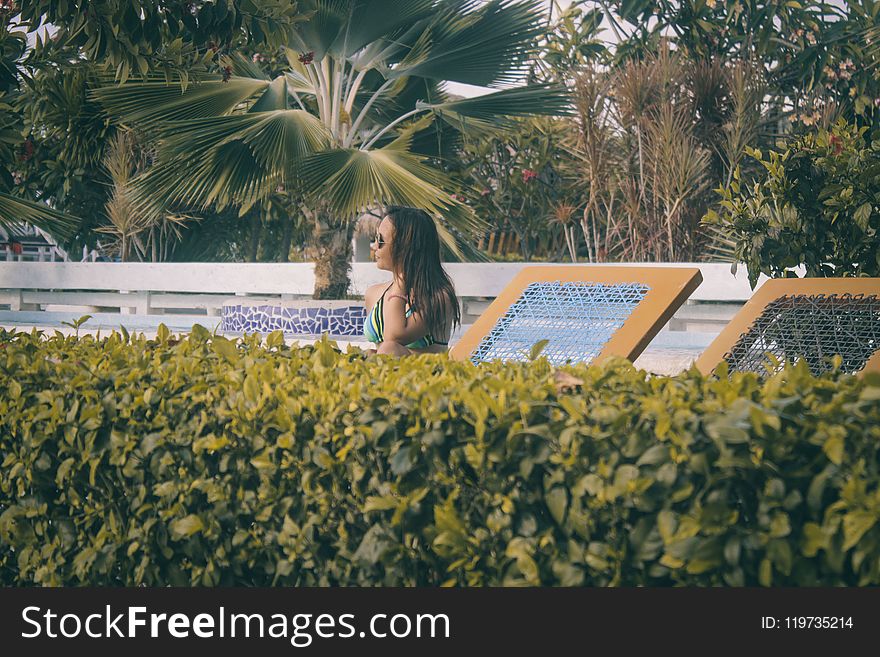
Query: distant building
(25, 243)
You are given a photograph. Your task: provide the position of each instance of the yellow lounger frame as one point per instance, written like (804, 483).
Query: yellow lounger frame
(769, 292)
(669, 287)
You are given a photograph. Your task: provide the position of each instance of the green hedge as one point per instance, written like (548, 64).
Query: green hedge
(204, 461)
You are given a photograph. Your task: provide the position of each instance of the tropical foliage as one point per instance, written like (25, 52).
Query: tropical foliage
(523, 177)
(337, 127)
(630, 177)
(666, 111)
(52, 137)
(14, 148)
(135, 38)
(815, 205)
(65, 136)
(361, 116)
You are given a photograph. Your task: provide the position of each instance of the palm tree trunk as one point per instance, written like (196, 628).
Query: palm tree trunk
(254, 244)
(286, 238)
(332, 255)
(524, 246)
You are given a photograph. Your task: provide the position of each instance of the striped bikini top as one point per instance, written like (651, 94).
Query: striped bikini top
(374, 324)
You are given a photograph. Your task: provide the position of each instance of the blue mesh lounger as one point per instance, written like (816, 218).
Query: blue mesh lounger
(587, 313)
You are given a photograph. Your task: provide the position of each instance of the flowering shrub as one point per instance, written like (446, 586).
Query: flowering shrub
(516, 180)
(528, 175)
(817, 206)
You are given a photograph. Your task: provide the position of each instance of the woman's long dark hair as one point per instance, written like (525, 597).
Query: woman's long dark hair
(415, 257)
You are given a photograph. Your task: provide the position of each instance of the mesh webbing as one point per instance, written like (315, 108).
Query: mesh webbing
(811, 328)
(577, 318)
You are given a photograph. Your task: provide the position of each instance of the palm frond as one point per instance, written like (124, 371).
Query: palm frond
(497, 108)
(151, 103)
(326, 20)
(374, 21)
(274, 98)
(230, 160)
(14, 210)
(298, 84)
(244, 67)
(352, 180)
(386, 50)
(399, 98)
(461, 244)
(403, 141)
(485, 45)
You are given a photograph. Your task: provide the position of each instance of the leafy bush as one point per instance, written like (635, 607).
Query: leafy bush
(202, 461)
(519, 179)
(816, 206)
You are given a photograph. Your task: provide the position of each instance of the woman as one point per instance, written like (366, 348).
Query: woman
(417, 311)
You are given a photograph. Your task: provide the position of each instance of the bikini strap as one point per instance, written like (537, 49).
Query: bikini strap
(380, 302)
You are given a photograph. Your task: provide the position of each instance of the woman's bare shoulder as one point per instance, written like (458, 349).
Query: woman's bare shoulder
(372, 294)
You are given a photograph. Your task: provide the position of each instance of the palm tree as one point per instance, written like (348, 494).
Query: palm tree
(336, 128)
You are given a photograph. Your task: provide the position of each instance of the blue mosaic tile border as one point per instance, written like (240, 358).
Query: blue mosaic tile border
(294, 321)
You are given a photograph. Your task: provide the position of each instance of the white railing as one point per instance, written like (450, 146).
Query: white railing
(471, 279)
(200, 289)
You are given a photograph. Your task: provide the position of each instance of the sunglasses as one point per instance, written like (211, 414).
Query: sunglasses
(379, 241)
